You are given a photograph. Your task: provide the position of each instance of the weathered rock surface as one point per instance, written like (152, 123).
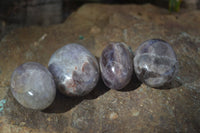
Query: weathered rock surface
(137, 108)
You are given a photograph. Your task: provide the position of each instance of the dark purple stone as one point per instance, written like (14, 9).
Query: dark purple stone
(32, 86)
(116, 65)
(75, 70)
(155, 63)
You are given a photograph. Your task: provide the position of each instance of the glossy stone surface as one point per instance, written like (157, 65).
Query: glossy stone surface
(155, 63)
(75, 70)
(116, 65)
(32, 86)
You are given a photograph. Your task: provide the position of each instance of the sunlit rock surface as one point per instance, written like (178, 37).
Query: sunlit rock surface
(139, 108)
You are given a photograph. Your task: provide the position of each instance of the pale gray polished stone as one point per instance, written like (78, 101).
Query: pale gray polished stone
(116, 65)
(32, 86)
(75, 70)
(155, 63)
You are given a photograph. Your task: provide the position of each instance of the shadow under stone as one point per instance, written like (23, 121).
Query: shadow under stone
(133, 84)
(171, 85)
(64, 103)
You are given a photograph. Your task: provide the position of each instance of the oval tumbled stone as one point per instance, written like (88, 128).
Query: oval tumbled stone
(33, 86)
(75, 70)
(116, 65)
(155, 63)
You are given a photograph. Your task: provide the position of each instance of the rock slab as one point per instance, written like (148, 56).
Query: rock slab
(137, 108)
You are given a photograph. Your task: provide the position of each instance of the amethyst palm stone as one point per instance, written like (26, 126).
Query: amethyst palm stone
(32, 86)
(155, 63)
(116, 65)
(75, 70)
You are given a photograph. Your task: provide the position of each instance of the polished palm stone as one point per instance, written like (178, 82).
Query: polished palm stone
(155, 63)
(32, 86)
(75, 70)
(116, 65)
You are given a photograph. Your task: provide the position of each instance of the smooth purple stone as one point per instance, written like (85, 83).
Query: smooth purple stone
(32, 86)
(155, 63)
(75, 70)
(116, 65)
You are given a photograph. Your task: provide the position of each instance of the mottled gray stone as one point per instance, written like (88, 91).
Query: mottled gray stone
(116, 65)
(75, 70)
(32, 85)
(155, 63)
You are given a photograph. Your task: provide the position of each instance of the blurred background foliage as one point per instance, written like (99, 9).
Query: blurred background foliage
(174, 5)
